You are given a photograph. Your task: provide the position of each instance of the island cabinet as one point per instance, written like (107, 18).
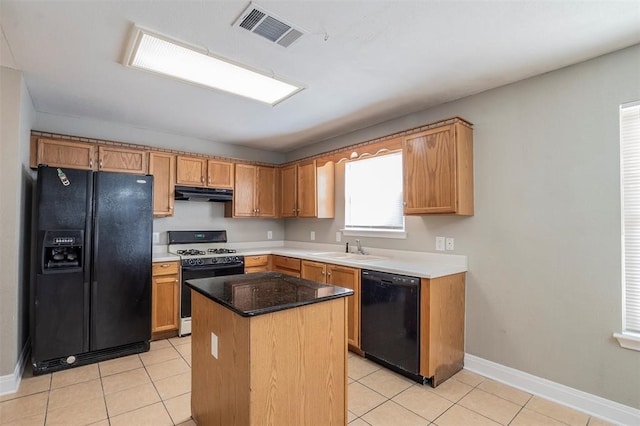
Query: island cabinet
(162, 166)
(307, 190)
(254, 193)
(438, 170)
(286, 265)
(342, 276)
(442, 302)
(257, 263)
(202, 172)
(88, 156)
(165, 296)
(274, 352)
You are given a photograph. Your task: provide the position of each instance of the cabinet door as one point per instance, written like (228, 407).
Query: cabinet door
(244, 192)
(162, 166)
(266, 191)
(219, 174)
(75, 155)
(307, 201)
(288, 195)
(164, 312)
(313, 271)
(429, 172)
(191, 171)
(114, 159)
(349, 278)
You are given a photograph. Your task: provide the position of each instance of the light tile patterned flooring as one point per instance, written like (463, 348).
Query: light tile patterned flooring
(154, 388)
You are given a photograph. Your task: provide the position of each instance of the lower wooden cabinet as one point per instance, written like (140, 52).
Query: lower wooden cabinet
(259, 263)
(165, 296)
(442, 302)
(286, 265)
(342, 276)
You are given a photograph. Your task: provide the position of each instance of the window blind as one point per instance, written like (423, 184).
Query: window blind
(630, 149)
(373, 193)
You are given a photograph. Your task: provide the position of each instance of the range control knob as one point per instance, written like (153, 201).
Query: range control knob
(200, 261)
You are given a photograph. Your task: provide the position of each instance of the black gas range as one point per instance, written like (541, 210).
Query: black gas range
(201, 257)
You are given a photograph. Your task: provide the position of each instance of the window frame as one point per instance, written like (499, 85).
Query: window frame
(629, 339)
(373, 232)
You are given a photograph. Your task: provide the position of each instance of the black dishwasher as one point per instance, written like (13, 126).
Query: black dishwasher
(390, 321)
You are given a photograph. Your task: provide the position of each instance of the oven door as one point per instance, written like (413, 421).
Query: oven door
(193, 272)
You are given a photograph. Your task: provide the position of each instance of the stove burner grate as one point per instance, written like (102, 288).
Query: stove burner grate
(190, 252)
(220, 251)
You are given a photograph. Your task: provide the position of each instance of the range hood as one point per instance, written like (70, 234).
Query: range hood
(203, 194)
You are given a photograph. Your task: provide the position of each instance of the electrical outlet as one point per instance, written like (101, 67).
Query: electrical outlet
(313, 235)
(449, 244)
(338, 236)
(156, 238)
(269, 235)
(440, 243)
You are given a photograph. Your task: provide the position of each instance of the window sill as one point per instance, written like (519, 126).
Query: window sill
(375, 234)
(628, 340)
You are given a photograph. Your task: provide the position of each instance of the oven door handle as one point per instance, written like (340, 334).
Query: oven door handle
(212, 267)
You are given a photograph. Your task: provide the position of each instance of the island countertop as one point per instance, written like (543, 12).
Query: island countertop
(262, 293)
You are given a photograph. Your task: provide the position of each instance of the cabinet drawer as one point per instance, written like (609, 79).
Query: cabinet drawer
(261, 260)
(164, 268)
(286, 263)
(252, 269)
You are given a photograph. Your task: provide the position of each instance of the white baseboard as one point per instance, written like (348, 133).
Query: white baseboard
(11, 382)
(591, 404)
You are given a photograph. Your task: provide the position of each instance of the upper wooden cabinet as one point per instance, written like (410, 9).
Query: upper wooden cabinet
(307, 190)
(219, 174)
(195, 171)
(438, 171)
(60, 153)
(254, 192)
(162, 166)
(123, 160)
(80, 155)
(191, 171)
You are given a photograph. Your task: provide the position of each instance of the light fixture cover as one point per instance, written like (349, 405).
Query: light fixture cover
(155, 53)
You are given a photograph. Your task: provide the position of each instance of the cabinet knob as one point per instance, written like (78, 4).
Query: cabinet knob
(91, 164)
(100, 165)
(202, 179)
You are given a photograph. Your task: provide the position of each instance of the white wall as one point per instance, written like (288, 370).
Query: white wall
(203, 215)
(16, 117)
(544, 281)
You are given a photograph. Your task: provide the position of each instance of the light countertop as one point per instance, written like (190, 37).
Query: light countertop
(418, 264)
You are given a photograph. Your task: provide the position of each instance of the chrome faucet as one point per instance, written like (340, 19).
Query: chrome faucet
(359, 247)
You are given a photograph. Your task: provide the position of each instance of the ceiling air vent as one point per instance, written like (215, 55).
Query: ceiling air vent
(259, 21)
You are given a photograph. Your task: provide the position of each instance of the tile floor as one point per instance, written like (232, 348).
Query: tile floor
(153, 389)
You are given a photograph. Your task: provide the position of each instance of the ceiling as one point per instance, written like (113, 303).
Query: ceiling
(361, 62)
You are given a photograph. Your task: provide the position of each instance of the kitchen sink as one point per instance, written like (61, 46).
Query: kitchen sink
(353, 257)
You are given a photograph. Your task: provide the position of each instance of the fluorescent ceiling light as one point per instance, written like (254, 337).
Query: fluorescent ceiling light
(157, 54)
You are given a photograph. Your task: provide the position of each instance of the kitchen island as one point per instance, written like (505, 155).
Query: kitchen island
(268, 349)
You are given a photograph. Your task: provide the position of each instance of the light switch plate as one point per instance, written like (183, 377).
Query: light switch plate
(214, 345)
(338, 236)
(156, 238)
(313, 235)
(440, 243)
(269, 235)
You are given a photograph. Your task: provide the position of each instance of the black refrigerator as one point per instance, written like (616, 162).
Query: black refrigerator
(91, 292)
